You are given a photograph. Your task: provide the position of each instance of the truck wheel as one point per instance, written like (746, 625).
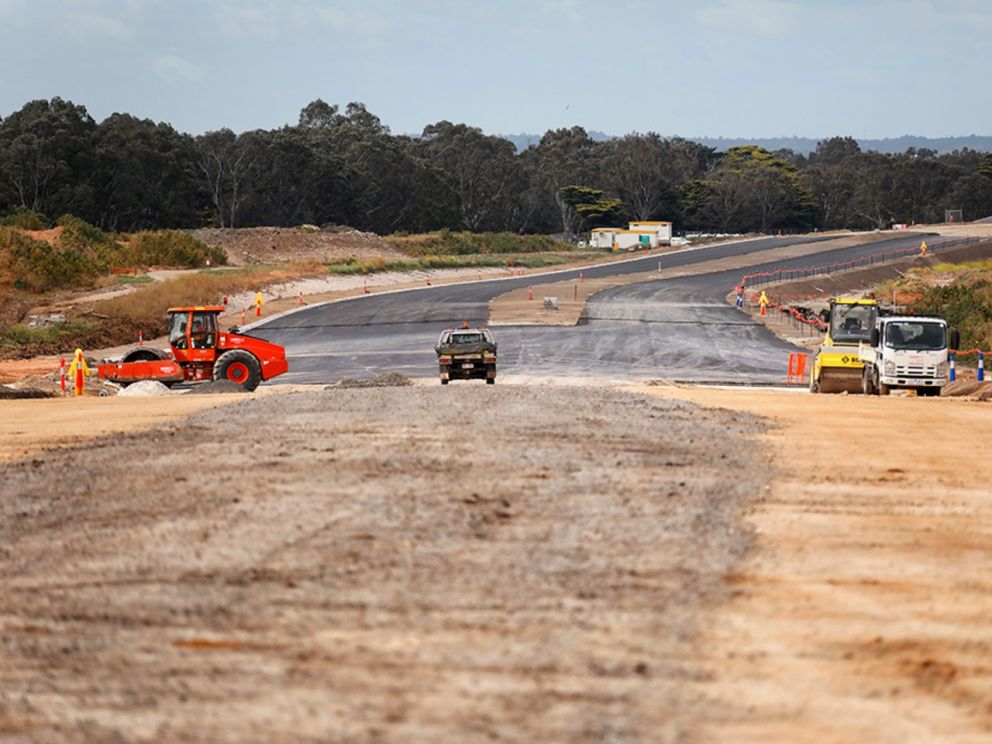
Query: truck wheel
(814, 385)
(883, 389)
(490, 380)
(444, 382)
(867, 385)
(238, 366)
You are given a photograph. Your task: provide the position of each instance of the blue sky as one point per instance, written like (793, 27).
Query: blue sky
(747, 68)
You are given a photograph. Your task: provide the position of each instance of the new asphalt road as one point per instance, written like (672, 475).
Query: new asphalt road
(679, 329)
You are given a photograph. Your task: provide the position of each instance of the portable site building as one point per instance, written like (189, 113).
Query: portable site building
(602, 237)
(641, 234)
(629, 240)
(663, 229)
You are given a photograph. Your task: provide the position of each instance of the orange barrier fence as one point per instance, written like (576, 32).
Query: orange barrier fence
(798, 374)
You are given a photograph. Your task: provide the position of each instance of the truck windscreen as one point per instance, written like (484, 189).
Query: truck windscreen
(916, 336)
(850, 324)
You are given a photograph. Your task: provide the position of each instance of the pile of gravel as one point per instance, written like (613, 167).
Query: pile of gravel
(145, 388)
(10, 393)
(388, 379)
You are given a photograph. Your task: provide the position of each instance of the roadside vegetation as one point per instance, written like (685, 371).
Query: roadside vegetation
(959, 293)
(344, 166)
(75, 254)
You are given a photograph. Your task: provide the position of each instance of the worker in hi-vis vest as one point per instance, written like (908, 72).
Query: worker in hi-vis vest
(77, 369)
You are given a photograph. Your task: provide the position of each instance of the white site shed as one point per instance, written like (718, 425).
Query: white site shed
(602, 237)
(640, 234)
(629, 240)
(663, 229)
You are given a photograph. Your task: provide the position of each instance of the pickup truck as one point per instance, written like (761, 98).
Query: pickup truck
(466, 354)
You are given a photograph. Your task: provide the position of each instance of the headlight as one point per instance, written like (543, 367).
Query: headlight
(889, 367)
(942, 369)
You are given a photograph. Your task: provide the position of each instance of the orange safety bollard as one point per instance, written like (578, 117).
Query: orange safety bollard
(62, 373)
(259, 301)
(141, 339)
(365, 287)
(427, 279)
(530, 293)
(582, 277)
(478, 274)
(244, 315)
(301, 299)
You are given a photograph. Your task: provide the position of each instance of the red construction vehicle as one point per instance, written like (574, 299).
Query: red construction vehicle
(200, 351)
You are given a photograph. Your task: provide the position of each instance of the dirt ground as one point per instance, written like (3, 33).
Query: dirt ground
(405, 564)
(863, 613)
(575, 564)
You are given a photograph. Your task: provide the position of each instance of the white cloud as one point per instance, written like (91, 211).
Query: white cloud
(763, 17)
(175, 68)
(88, 24)
(357, 22)
(247, 20)
(566, 9)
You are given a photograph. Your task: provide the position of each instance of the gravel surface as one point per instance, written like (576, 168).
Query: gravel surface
(386, 564)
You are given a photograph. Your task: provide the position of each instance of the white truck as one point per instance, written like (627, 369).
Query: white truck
(907, 352)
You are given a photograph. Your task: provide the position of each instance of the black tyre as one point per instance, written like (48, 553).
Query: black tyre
(142, 355)
(883, 389)
(444, 382)
(490, 380)
(238, 366)
(867, 384)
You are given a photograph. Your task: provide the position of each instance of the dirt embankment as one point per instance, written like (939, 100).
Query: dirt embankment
(269, 245)
(394, 564)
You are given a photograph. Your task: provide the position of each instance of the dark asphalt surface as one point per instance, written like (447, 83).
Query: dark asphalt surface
(679, 329)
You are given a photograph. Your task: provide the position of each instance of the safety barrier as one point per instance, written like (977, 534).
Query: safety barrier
(776, 276)
(797, 374)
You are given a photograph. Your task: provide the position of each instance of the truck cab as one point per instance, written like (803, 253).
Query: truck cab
(907, 353)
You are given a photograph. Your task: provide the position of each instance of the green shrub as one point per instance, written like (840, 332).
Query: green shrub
(25, 219)
(100, 248)
(38, 266)
(21, 335)
(445, 242)
(965, 306)
(173, 248)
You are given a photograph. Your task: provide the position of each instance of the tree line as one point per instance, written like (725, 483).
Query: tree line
(346, 167)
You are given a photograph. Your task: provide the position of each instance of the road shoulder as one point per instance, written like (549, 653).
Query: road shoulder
(863, 613)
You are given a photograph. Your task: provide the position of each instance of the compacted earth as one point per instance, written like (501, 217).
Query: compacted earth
(418, 563)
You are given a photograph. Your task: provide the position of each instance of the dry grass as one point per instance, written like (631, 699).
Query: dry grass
(149, 304)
